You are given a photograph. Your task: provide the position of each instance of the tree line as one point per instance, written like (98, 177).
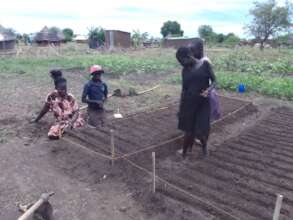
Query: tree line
(268, 21)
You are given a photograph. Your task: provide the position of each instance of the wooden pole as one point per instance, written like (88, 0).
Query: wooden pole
(148, 90)
(278, 207)
(112, 147)
(154, 171)
(44, 197)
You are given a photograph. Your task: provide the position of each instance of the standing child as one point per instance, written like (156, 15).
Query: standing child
(95, 93)
(197, 81)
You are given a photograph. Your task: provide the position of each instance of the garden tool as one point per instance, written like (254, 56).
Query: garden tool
(28, 212)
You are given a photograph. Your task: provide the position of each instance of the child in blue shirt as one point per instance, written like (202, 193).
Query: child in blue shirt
(95, 93)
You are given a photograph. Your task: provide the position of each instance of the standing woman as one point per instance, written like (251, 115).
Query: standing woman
(198, 80)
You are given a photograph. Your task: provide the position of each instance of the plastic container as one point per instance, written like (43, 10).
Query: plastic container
(241, 88)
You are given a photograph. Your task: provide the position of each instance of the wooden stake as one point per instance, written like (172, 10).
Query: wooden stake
(112, 147)
(278, 207)
(154, 171)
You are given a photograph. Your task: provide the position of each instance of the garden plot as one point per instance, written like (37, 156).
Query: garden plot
(240, 179)
(144, 130)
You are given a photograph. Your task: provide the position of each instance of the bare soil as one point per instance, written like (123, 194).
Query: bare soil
(138, 133)
(240, 178)
(249, 163)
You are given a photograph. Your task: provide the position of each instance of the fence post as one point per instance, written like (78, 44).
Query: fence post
(154, 171)
(112, 147)
(278, 207)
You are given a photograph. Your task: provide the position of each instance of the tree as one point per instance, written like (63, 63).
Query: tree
(231, 38)
(172, 28)
(138, 38)
(206, 32)
(9, 31)
(220, 38)
(26, 39)
(96, 37)
(54, 30)
(68, 34)
(268, 19)
(286, 39)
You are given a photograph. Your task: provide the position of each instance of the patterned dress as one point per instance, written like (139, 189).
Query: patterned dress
(63, 109)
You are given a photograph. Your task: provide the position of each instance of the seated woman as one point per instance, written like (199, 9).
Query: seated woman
(65, 110)
(56, 74)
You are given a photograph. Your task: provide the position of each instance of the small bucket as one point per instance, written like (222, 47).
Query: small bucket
(241, 88)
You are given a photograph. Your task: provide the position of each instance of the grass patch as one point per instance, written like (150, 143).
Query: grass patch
(280, 87)
(269, 72)
(271, 61)
(116, 64)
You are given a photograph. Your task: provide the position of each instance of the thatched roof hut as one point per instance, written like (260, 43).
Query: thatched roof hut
(46, 37)
(7, 39)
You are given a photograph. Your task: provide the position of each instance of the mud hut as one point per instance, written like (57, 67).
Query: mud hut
(176, 42)
(46, 37)
(7, 39)
(116, 38)
(81, 39)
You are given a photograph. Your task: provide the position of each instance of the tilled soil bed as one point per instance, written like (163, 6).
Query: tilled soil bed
(145, 129)
(235, 182)
(239, 180)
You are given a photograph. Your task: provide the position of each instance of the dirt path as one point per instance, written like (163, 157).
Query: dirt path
(30, 169)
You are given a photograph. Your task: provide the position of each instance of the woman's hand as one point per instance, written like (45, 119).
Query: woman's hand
(205, 93)
(33, 120)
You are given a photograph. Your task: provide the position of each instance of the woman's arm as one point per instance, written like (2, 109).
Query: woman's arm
(212, 78)
(44, 111)
(106, 91)
(183, 89)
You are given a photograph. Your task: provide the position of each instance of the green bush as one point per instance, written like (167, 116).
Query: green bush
(280, 87)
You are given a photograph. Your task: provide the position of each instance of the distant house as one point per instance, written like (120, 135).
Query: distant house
(45, 38)
(7, 39)
(116, 38)
(147, 44)
(81, 39)
(152, 43)
(176, 42)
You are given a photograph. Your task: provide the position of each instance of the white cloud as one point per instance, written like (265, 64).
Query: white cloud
(32, 15)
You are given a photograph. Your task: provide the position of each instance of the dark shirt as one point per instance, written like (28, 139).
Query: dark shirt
(197, 78)
(96, 91)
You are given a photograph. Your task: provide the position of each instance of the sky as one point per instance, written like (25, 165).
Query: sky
(224, 16)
